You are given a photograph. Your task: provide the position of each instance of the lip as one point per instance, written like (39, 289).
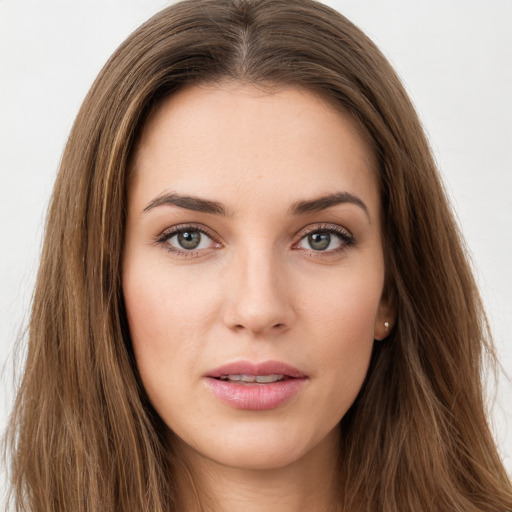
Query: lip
(256, 396)
(265, 368)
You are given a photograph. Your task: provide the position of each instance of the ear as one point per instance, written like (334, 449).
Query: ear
(385, 319)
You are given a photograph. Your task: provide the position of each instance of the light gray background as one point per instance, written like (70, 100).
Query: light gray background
(455, 58)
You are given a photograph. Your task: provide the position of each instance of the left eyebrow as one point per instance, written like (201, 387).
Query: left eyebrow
(324, 202)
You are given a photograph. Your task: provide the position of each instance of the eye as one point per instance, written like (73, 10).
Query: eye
(189, 240)
(326, 239)
(186, 239)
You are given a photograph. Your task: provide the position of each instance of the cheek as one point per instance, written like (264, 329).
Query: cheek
(344, 305)
(161, 303)
(340, 325)
(168, 317)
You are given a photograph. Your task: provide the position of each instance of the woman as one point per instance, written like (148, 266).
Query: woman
(252, 291)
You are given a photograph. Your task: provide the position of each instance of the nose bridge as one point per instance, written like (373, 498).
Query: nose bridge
(258, 301)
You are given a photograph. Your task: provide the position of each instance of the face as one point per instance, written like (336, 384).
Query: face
(253, 271)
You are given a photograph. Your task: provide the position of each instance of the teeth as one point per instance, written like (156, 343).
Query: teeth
(261, 379)
(245, 378)
(264, 379)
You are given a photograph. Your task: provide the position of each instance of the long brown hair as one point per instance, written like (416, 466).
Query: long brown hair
(83, 436)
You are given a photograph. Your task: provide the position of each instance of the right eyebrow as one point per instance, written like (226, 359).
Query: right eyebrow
(188, 202)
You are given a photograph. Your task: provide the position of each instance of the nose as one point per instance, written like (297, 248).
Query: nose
(258, 296)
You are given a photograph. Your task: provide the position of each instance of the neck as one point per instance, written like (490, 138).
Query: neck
(305, 485)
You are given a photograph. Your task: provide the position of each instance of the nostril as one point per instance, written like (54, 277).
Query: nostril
(241, 327)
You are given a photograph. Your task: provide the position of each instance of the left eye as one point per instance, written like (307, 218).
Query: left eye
(189, 240)
(321, 241)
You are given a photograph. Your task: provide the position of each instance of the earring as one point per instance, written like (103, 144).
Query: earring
(386, 325)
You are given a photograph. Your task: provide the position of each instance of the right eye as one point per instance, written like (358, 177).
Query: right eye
(187, 240)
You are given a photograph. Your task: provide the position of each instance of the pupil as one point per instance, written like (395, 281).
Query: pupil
(319, 241)
(189, 239)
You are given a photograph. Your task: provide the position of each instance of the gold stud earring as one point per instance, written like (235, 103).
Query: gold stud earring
(386, 325)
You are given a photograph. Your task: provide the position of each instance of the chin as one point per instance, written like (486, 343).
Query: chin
(255, 456)
(257, 447)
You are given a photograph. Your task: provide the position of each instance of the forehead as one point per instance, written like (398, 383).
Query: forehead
(230, 139)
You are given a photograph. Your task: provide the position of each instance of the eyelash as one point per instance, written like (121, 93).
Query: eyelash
(345, 237)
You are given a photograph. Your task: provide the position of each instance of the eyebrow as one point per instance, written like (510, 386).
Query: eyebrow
(299, 208)
(188, 202)
(324, 202)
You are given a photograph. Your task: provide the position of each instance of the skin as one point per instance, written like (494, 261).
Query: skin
(256, 289)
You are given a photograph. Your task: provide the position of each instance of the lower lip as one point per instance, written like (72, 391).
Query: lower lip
(255, 397)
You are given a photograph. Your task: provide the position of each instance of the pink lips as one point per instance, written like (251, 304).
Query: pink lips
(255, 395)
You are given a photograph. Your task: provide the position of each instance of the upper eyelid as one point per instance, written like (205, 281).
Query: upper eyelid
(324, 226)
(173, 230)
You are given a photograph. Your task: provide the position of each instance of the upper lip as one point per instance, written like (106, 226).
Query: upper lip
(264, 368)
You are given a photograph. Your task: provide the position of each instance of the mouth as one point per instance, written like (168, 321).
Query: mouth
(251, 379)
(250, 386)
(246, 371)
